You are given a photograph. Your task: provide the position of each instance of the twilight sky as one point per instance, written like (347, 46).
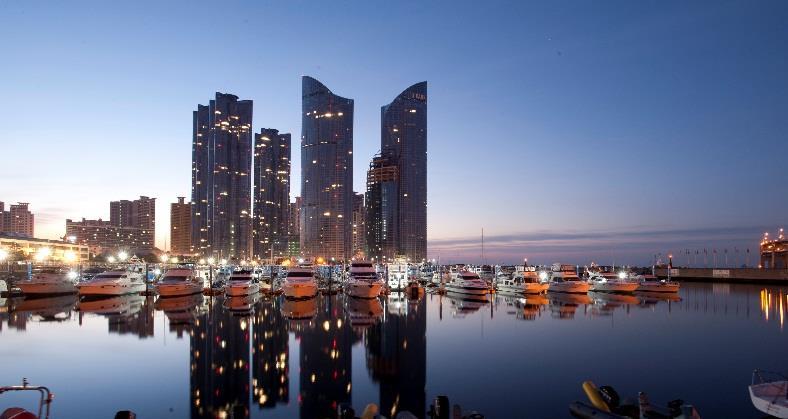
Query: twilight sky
(569, 131)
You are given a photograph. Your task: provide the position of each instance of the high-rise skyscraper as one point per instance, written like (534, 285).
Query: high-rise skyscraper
(139, 213)
(381, 209)
(180, 227)
(403, 139)
(358, 226)
(326, 172)
(271, 194)
(221, 178)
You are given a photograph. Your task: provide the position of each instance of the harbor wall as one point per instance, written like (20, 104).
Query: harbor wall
(754, 275)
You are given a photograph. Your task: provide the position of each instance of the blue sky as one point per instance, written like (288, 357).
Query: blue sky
(548, 119)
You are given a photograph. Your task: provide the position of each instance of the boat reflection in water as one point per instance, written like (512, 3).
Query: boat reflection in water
(299, 310)
(363, 312)
(242, 304)
(464, 304)
(182, 312)
(528, 307)
(55, 308)
(126, 314)
(564, 305)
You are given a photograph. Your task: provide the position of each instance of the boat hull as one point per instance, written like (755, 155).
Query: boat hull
(111, 289)
(466, 290)
(299, 291)
(570, 287)
(770, 398)
(658, 287)
(614, 286)
(363, 289)
(178, 290)
(527, 288)
(238, 290)
(33, 288)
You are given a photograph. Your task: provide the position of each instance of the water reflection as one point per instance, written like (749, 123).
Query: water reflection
(247, 355)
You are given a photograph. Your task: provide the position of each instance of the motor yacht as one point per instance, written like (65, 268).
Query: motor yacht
(240, 283)
(523, 282)
(468, 283)
(564, 279)
(50, 281)
(300, 283)
(651, 283)
(179, 281)
(114, 282)
(397, 274)
(363, 281)
(611, 282)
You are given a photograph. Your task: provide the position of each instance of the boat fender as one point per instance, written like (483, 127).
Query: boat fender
(594, 396)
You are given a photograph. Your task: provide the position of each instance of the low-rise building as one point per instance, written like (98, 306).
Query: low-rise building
(43, 250)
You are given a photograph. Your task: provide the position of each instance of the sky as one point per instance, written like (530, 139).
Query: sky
(568, 131)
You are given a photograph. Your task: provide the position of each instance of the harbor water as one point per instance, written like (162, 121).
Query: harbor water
(512, 356)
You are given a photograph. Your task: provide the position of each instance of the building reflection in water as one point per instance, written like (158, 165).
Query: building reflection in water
(325, 360)
(270, 357)
(773, 305)
(397, 355)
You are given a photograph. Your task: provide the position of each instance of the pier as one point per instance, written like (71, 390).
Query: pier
(743, 275)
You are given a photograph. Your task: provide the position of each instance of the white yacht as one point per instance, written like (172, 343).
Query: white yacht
(241, 283)
(610, 282)
(300, 283)
(468, 283)
(397, 274)
(363, 281)
(523, 282)
(50, 281)
(179, 281)
(564, 279)
(114, 282)
(653, 284)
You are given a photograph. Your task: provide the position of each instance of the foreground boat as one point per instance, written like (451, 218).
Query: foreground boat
(769, 393)
(523, 282)
(50, 281)
(653, 284)
(363, 281)
(241, 283)
(179, 282)
(116, 282)
(300, 284)
(611, 282)
(605, 403)
(467, 283)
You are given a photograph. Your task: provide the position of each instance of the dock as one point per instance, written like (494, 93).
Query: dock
(741, 275)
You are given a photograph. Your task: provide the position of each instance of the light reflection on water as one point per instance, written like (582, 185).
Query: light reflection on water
(268, 357)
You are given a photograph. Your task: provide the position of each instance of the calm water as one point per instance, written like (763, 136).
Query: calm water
(193, 357)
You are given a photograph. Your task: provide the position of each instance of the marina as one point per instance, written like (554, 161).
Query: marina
(268, 356)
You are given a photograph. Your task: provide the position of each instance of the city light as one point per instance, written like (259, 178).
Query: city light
(202, 262)
(111, 259)
(211, 261)
(157, 271)
(174, 260)
(69, 256)
(622, 275)
(42, 254)
(164, 258)
(3, 255)
(223, 262)
(122, 256)
(71, 275)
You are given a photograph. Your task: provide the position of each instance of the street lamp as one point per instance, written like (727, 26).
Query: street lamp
(111, 259)
(122, 256)
(211, 261)
(164, 258)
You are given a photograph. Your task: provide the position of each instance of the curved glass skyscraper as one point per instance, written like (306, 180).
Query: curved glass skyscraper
(403, 141)
(326, 172)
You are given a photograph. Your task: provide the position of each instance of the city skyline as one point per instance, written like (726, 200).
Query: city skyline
(661, 135)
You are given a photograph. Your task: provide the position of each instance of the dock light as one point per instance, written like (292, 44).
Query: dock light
(243, 262)
(543, 275)
(122, 256)
(164, 258)
(211, 261)
(72, 239)
(174, 260)
(3, 255)
(157, 271)
(111, 259)
(69, 256)
(202, 262)
(42, 254)
(622, 275)
(300, 260)
(71, 275)
(223, 262)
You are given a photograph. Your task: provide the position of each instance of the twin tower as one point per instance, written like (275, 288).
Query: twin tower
(231, 169)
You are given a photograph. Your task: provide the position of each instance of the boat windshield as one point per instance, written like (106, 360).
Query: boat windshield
(108, 276)
(175, 278)
(361, 265)
(299, 274)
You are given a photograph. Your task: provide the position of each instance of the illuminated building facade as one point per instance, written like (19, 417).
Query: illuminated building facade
(139, 213)
(180, 227)
(270, 356)
(103, 236)
(326, 172)
(18, 220)
(57, 251)
(404, 141)
(271, 194)
(221, 178)
(381, 222)
(359, 223)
